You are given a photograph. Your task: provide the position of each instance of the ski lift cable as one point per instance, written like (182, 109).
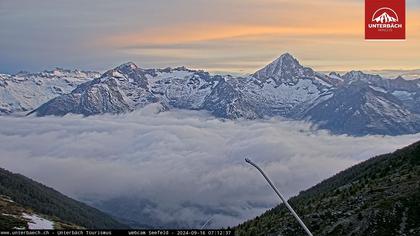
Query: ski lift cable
(207, 222)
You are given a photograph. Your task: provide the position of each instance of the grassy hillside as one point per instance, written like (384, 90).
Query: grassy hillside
(12, 216)
(380, 196)
(28, 195)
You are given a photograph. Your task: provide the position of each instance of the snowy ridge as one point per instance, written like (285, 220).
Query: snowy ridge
(25, 91)
(282, 88)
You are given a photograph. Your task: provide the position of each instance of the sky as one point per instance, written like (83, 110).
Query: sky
(238, 36)
(179, 166)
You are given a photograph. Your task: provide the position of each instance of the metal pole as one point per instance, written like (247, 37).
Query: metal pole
(280, 196)
(208, 221)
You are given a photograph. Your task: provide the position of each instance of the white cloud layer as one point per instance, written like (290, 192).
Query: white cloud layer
(187, 166)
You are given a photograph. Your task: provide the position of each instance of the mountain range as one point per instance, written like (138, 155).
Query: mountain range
(25, 91)
(354, 103)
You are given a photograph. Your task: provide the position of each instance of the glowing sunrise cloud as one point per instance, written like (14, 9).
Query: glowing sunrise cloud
(237, 36)
(326, 38)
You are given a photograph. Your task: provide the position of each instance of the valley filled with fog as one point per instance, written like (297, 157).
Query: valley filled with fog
(179, 168)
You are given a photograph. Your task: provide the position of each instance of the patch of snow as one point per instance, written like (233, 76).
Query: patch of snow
(37, 222)
(180, 74)
(322, 82)
(403, 95)
(117, 74)
(18, 228)
(379, 89)
(304, 90)
(6, 198)
(335, 76)
(5, 214)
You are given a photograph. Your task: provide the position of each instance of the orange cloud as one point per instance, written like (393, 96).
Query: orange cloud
(327, 35)
(270, 17)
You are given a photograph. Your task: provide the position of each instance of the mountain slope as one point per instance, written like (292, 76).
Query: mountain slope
(16, 216)
(27, 195)
(360, 110)
(406, 91)
(380, 196)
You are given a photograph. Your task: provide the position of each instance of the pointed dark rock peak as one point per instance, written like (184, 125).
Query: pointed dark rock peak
(336, 74)
(354, 73)
(400, 78)
(286, 58)
(286, 55)
(285, 65)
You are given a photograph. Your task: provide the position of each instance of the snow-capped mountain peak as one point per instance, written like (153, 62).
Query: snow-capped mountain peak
(283, 68)
(127, 72)
(128, 65)
(126, 68)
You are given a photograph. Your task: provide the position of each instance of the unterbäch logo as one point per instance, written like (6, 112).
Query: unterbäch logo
(385, 18)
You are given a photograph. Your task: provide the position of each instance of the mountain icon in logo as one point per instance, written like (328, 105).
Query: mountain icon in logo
(385, 19)
(388, 15)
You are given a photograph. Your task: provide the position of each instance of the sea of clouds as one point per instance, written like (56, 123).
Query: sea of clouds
(179, 168)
